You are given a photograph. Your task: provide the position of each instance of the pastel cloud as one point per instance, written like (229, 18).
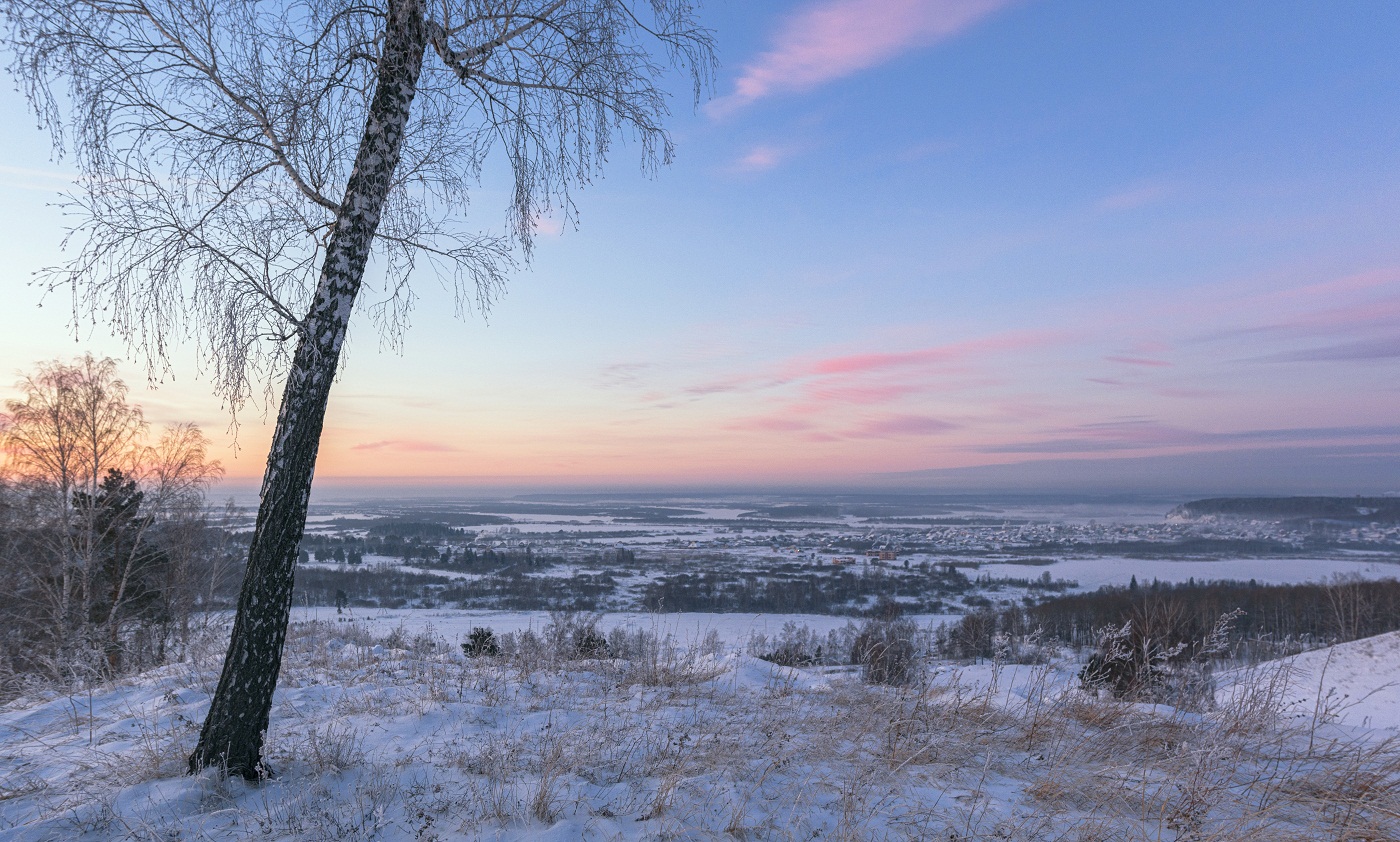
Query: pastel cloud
(620, 375)
(760, 158)
(1138, 361)
(902, 425)
(1385, 348)
(1355, 282)
(861, 394)
(790, 420)
(832, 39)
(405, 446)
(780, 423)
(939, 354)
(1146, 434)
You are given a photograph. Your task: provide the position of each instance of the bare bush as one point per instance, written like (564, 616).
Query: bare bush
(1146, 659)
(571, 635)
(885, 651)
(798, 645)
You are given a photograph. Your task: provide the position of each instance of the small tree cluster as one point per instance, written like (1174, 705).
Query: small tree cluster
(105, 547)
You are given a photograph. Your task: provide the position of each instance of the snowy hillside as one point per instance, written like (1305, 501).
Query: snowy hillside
(404, 738)
(1356, 683)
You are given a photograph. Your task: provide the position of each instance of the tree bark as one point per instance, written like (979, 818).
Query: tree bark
(232, 736)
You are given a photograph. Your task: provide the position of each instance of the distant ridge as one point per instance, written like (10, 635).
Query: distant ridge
(1342, 470)
(1361, 509)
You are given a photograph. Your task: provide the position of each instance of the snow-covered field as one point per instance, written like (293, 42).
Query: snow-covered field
(686, 628)
(382, 733)
(1094, 572)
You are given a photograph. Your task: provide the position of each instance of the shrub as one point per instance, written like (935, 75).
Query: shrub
(588, 642)
(571, 635)
(885, 651)
(796, 646)
(1151, 662)
(481, 642)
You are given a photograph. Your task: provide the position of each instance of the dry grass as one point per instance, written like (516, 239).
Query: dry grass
(667, 744)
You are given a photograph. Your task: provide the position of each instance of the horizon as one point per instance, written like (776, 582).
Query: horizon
(917, 246)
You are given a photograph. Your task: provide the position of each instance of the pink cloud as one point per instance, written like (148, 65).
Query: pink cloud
(854, 363)
(861, 394)
(1355, 282)
(761, 158)
(1347, 321)
(1141, 361)
(859, 379)
(406, 446)
(784, 423)
(836, 38)
(901, 425)
(734, 383)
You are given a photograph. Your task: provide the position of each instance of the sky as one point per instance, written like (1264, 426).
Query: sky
(907, 241)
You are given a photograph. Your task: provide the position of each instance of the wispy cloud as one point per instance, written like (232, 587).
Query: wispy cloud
(790, 420)
(860, 394)
(841, 376)
(622, 375)
(836, 38)
(1145, 434)
(901, 425)
(935, 355)
(45, 181)
(780, 423)
(1385, 348)
(761, 158)
(406, 446)
(1138, 361)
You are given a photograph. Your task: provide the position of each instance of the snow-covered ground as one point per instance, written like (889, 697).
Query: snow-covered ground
(686, 628)
(1094, 572)
(379, 733)
(1355, 684)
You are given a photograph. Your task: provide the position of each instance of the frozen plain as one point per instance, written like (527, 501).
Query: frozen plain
(383, 729)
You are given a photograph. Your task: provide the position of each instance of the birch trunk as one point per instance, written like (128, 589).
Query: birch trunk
(232, 736)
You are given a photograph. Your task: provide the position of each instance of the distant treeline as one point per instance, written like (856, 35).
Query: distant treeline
(1297, 616)
(508, 590)
(517, 580)
(800, 589)
(1360, 509)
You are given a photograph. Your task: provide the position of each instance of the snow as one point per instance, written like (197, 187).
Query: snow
(1356, 683)
(1095, 572)
(686, 628)
(376, 734)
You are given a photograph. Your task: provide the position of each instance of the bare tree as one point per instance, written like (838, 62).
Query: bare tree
(244, 162)
(87, 558)
(72, 428)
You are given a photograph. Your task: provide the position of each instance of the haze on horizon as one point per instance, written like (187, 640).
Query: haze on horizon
(927, 244)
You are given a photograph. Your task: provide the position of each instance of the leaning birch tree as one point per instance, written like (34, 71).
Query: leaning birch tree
(244, 161)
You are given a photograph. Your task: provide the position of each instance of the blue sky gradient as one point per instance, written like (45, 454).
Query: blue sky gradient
(905, 235)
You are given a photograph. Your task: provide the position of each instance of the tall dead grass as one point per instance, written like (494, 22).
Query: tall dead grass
(656, 740)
